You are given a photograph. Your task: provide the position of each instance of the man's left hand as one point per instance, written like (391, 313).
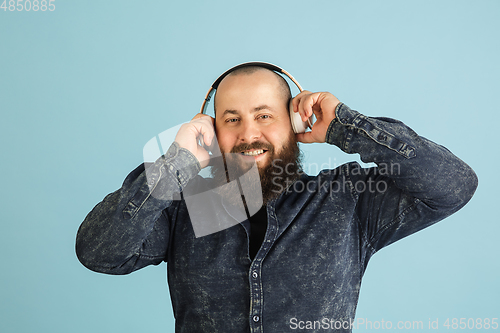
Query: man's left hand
(323, 105)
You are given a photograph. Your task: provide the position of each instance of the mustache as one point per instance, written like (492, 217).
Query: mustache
(254, 145)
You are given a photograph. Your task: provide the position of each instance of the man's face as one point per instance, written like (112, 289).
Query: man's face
(252, 117)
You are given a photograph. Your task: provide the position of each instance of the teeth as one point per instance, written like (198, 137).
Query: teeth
(253, 153)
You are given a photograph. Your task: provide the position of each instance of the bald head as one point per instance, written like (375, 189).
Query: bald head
(280, 83)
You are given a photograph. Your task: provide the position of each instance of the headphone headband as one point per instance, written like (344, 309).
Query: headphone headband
(267, 65)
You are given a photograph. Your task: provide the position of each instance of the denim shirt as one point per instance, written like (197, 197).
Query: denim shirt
(322, 231)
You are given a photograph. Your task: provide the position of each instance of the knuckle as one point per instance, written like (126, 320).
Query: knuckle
(199, 115)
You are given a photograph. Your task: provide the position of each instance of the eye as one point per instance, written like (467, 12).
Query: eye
(264, 116)
(231, 120)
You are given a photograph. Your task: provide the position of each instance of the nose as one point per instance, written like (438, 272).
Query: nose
(249, 133)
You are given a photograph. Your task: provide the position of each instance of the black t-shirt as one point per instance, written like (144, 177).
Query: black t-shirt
(258, 227)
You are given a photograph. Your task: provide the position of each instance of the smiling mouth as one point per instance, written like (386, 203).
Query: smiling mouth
(253, 152)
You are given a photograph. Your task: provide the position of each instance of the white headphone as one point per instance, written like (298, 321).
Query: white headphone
(298, 125)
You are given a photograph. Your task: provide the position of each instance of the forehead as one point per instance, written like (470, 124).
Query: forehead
(244, 87)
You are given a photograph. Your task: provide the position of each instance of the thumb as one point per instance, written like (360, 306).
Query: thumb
(305, 137)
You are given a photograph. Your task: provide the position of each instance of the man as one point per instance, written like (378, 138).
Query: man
(301, 258)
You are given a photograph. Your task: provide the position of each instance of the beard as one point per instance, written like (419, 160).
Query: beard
(275, 177)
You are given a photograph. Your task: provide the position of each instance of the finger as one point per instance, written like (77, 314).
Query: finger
(296, 99)
(305, 137)
(301, 107)
(207, 130)
(306, 105)
(204, 126)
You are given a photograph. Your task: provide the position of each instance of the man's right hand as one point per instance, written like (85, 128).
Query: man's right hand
(199, 129)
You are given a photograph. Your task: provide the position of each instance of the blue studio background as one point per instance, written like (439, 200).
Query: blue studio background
(85, 86)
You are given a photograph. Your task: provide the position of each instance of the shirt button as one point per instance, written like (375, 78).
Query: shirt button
(255, 275)
(256, 318)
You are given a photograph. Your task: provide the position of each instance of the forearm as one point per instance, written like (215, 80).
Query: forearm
(420, 167)
(129, 229)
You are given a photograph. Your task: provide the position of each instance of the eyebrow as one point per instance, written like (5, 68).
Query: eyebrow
(256, 109)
